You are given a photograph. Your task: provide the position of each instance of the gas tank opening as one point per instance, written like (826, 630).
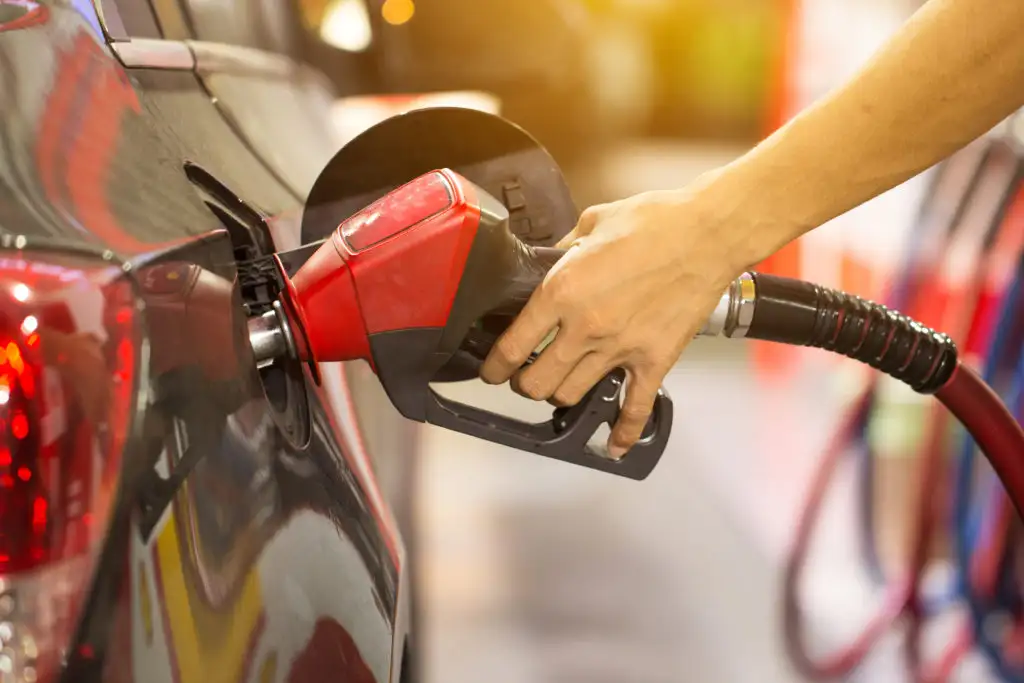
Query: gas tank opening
(283, 378)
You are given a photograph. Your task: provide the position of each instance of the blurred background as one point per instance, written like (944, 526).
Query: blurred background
(533, 572)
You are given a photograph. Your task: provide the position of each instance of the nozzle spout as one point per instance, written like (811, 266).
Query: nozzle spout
(270, 336)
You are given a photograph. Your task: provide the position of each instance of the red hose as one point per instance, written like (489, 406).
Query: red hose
(997, 433)
(1001, 438)
(901, 596)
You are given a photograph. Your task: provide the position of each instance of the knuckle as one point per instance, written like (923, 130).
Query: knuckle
(569, 396)
(509, 350)
(594, 323)
(590, 215)
(530, 385)
(562, 354)
(560, 289)
(650, 359)
(532, 388)
(660, 359)
(634, 413)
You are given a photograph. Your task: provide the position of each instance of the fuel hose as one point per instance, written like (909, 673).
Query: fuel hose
(788, 311)
(1005, 362)
(928, 246)
(944, 279)
(933, 231)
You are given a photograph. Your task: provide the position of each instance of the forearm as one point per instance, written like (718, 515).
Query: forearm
(951, 73)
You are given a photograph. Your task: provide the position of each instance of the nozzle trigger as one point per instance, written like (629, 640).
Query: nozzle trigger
(566, 435)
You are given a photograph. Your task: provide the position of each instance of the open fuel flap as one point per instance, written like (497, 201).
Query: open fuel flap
(491, 152)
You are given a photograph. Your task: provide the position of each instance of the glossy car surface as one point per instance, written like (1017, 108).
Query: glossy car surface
(240, 530)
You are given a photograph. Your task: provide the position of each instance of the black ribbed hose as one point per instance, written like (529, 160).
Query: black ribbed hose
(805, 314)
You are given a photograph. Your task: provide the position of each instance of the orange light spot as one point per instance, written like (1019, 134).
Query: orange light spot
(14, 358)
(397, 12)
(33, 340)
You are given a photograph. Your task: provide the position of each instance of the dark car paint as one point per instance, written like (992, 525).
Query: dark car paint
(94, 157)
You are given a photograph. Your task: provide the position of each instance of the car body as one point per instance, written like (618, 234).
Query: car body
(169, 511)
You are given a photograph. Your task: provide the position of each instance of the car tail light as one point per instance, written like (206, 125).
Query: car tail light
(68, 359)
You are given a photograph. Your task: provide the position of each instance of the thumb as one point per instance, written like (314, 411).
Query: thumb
(567, 241)
(584, 226)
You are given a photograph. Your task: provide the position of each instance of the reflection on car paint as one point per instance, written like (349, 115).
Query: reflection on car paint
(79, 162)
(255, 630)
(21, 14)
(77, 137)
(222, 582)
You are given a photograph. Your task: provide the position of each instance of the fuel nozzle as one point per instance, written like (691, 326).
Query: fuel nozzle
(419, 284)
(270, 335)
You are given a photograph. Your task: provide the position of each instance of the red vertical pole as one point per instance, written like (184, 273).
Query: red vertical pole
(783, 103)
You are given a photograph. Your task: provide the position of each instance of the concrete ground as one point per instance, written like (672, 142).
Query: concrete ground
(538, 572)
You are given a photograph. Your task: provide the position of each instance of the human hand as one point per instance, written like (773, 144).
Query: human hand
(640, 277)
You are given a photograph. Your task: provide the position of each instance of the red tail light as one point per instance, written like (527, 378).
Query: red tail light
(67, 385)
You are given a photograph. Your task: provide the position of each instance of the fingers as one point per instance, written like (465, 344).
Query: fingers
(589, 371)
(540, 380)
(567, 241)
(641, 392)
(514, 347)
(534, 323)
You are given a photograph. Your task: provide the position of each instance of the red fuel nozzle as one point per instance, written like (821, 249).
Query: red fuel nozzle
(395, 265)
(322, 308)
(403, 283)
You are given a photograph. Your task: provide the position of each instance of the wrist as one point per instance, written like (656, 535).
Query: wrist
(748, 217)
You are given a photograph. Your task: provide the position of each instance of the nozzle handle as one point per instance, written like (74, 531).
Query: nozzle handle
(531, 267)
(567, 434)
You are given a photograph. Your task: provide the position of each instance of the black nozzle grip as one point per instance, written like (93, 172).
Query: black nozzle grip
(531, 267)
(565, 437)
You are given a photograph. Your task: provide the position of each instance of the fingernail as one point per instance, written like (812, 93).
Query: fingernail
(616, 452)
